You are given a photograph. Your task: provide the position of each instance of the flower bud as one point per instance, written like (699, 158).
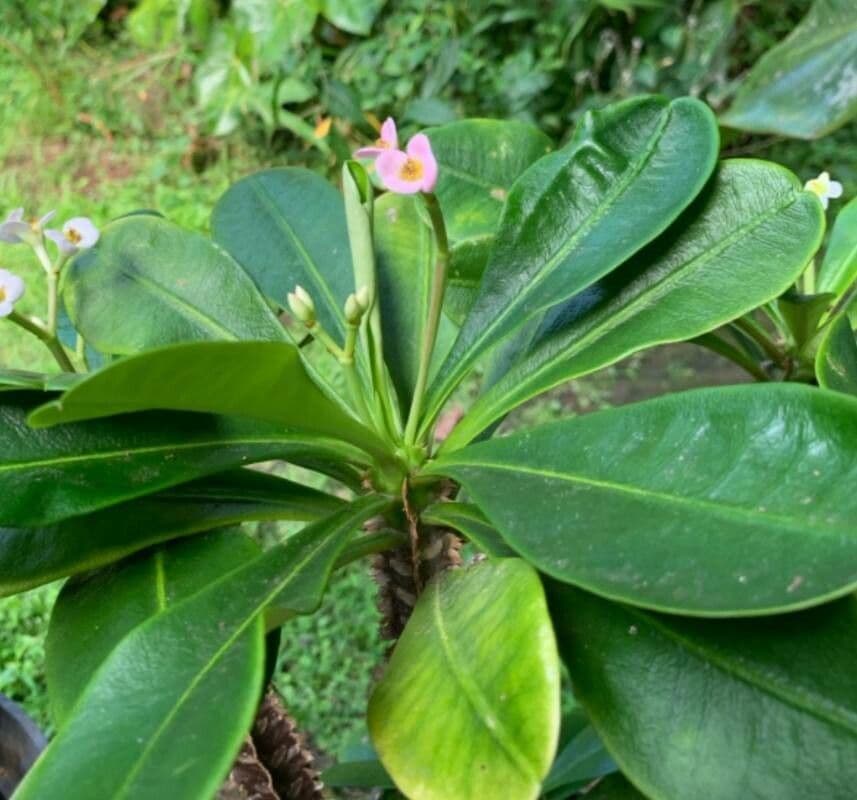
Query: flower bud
(364, 299)
(302, 306)
(353, 310)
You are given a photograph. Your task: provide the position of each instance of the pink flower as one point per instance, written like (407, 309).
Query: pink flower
(409, 172)
(389, 140)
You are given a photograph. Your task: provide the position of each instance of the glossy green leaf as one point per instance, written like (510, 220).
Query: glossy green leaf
(615, 787)
(478, 161)
(744, 241)
(286, 227)
(30, 557)
(716, 502)
(717, 709)
(803, 313)
(836, 360)
(806, 86)
(357, 765)
(368, 774)
(93, 614)
(49, 475)
(577, 764)
(468, 707)
(839, 269)
(576, 214)
(353, 16)
(123, 739)
(14, 379)
(405, 253)
(470, 521)
(261, 380)
(164, 285)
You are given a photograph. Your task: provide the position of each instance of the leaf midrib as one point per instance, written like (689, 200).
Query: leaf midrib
(699, 504)
(807, 702)
(468, 178)
(615, 318)
(179, 304)
(228, 643)
(601, 210)
(270, 203)
(476, 698)
(129, 451)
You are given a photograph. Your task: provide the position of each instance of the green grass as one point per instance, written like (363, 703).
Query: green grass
(23, 624)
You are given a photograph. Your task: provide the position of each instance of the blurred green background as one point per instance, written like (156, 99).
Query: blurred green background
(114, 106)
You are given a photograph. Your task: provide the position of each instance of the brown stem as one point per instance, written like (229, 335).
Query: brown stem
(403, 572)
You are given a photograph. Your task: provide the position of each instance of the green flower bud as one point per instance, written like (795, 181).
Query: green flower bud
(364, 299)
(354, 311)
(302, 306)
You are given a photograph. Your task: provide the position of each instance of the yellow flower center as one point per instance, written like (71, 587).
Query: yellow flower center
(73, 236)
(2, 294)
(412, 170)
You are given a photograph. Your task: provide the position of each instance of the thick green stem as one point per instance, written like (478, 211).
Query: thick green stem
(53, 278)
(438, 288)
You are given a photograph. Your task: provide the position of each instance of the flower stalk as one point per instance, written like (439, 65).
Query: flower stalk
(438, 288)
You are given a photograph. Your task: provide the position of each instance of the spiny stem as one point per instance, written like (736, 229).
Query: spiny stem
(438, 288)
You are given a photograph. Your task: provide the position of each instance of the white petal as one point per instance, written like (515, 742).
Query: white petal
(6, 308)
(14, 288)
(85, 228)
(824, 201)
(16, 215)
(47, 218)
(59, 239)
(834, 190)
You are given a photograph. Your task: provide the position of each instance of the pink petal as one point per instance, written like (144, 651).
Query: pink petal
(369, 152)
(389, 167)
(389, 134)
(419, 148)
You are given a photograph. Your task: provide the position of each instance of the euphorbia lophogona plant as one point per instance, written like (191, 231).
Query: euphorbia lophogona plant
(691, 560)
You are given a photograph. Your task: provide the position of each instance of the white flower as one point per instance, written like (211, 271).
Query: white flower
(824, 188)
(79, 233)
(15, 230)
(11, 291)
